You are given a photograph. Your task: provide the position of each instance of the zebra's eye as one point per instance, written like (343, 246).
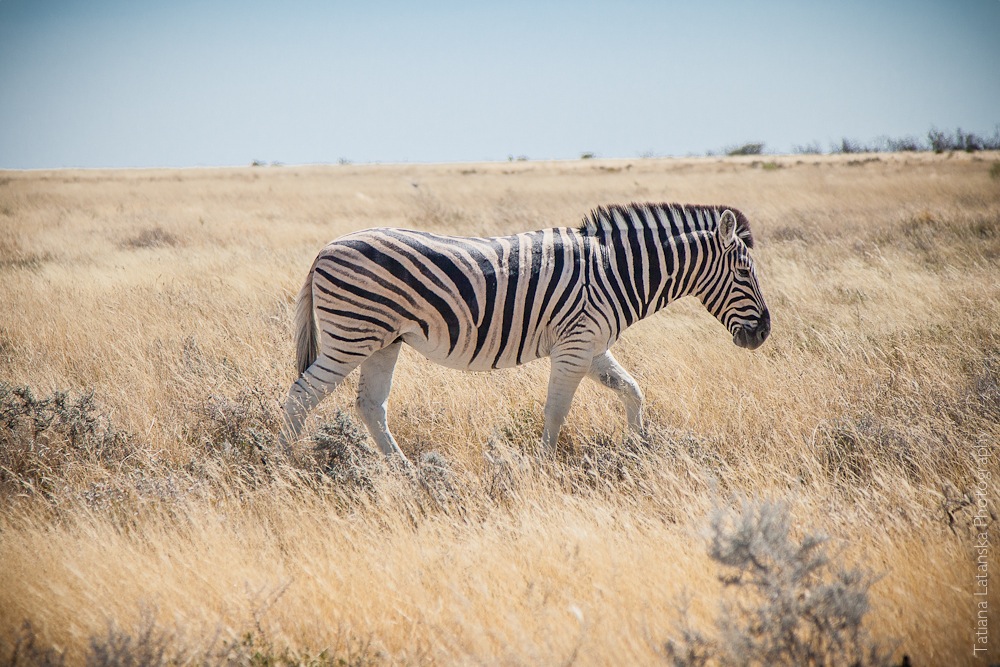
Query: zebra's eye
(743, 272)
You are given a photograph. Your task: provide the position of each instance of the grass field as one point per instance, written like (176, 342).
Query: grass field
(145, 348)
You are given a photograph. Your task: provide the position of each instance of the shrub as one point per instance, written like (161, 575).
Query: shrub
(808, 149)
(848, 146)
(971, 142)
(344, 454)
(242, 429)
(29, 652)
(41, 438)
(961, 141)
(150, 646)
(992, 143)
(906, 144)
(794, 605)
(752, 148)
(940, 142)
(258, 650)
(435, 476)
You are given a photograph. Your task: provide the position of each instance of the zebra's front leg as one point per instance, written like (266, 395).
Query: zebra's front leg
(568, 369)
(606, 370)
(374, 383)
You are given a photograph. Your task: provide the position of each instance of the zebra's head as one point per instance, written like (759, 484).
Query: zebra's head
(731, 292)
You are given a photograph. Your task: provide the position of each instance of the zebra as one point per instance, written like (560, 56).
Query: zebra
(486, 303)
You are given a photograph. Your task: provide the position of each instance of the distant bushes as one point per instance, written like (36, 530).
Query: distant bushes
(938, 141)
(941, 142)
(808, 149)
(752, 148)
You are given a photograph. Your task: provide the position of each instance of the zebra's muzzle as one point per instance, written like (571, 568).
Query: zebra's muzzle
(752, 337)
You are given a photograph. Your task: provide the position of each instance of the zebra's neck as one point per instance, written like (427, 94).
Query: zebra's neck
(644, 256)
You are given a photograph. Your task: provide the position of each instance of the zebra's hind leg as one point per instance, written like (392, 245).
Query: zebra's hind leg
(568, 368)
(321, 378)
(374, 384)
(606, 370)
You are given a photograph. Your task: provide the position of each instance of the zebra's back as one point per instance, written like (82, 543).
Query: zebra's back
(465, 302)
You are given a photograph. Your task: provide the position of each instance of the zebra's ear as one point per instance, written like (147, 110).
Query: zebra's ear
(727, 228)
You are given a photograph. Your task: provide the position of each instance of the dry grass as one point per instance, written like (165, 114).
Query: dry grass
(145, 346)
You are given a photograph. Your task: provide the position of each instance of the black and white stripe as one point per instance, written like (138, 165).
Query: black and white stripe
(483, 303)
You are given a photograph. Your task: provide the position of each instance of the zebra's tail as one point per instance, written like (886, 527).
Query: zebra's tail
(306, 329)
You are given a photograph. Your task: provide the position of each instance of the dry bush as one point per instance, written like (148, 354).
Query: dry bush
(253, 649)
(345, 454)
(30, 651)
(152, 645)
(242, 429)
(794, 604)
(43, 438)
(149, 646)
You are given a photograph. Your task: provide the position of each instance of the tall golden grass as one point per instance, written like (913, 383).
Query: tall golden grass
(145, 346)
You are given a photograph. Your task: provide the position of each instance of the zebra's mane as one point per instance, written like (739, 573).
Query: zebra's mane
(617, 218)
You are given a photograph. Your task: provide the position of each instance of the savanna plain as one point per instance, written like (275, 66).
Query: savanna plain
(817, 501)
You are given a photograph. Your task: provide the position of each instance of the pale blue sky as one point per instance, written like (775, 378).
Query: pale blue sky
(85, 83)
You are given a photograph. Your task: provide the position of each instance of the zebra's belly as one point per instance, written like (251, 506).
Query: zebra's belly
(489, 357)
